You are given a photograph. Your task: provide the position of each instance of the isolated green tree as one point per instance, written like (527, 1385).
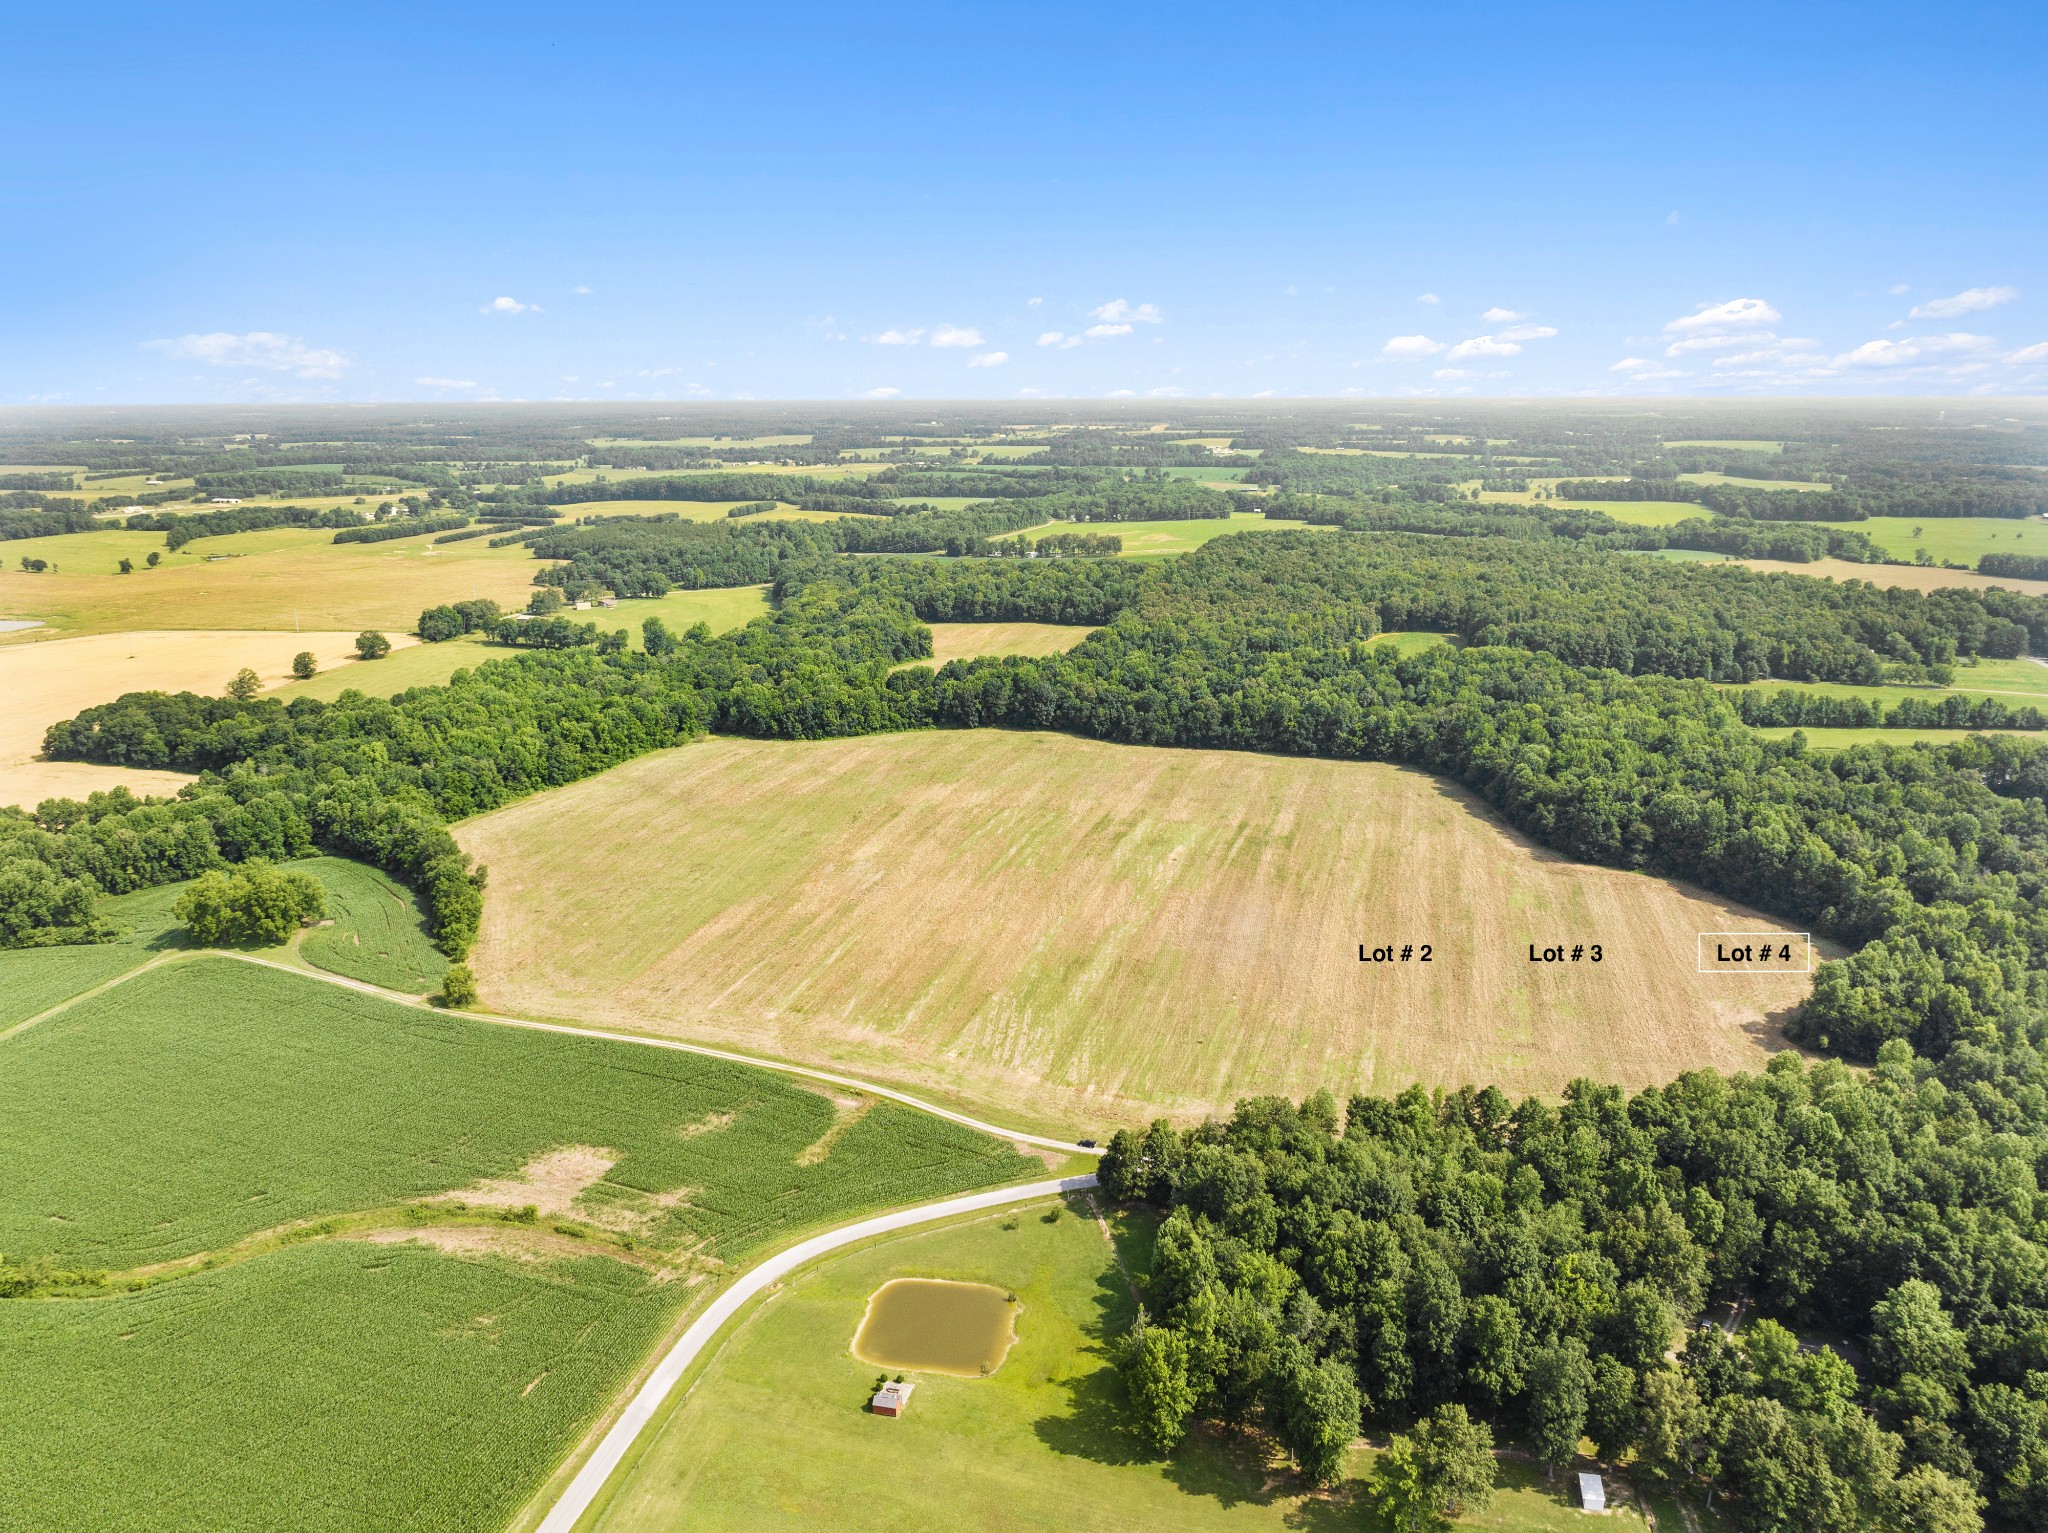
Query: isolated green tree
(304, 665)
(1439, 1470)
(155, 558)
(256, 905)
(458, 986)
(657, 638)
(127, 566)
(372, 645)
(245, 685)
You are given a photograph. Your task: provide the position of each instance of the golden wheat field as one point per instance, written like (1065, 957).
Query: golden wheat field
(1089, 934)
(56, 678)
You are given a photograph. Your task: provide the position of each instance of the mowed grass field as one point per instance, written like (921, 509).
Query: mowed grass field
(358, 1352)
(45, 681)
(1090, 933)
(281, 579)
(965, 641)
(1955, 539)
(772, 1435)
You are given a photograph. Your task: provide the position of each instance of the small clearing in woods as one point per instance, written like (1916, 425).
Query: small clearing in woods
(1073, 933)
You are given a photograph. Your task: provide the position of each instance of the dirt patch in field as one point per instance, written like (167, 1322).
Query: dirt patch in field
(1092, 933)
(550, 1183)
(508, 1242)
(849, 1111)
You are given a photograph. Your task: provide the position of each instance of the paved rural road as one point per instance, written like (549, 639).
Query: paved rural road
(612, 1448)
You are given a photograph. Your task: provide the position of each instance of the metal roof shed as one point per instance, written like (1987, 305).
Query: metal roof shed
(1592, 1494)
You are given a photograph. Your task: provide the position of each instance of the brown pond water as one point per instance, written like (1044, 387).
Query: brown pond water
(937, 1327)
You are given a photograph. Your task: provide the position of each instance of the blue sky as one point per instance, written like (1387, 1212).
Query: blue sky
(377, 202)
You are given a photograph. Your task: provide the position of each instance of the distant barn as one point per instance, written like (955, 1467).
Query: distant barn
(891, 1399)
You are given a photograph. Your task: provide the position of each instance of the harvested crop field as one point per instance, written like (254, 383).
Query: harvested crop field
(45, 682)
(1905, 577)
(281, 578)
(1090, 933)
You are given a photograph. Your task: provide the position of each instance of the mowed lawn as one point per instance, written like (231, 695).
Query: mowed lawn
(772, 1434)
(282, 579)
(379, 1370)
(1091, 934)
(46, 681)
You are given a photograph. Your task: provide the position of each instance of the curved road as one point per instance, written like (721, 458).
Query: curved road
(612, 1447)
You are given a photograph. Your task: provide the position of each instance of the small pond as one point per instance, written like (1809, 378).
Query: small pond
(935, 1326)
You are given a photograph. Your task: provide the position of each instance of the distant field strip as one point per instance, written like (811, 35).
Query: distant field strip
(1093, 933)
(964, 641)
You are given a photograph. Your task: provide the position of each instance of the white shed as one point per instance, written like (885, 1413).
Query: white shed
(1592, 1494)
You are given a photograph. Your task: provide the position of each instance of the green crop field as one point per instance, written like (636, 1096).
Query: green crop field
(379, 933)
(387, 1364)
(1043, 1442)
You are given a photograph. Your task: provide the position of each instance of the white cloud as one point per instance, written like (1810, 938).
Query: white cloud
(1969, 301)
(579, 289)
(1411, 346)
(1449, 374)
(1528, 333)
(1500, 316)
(446, 383)
(1898, 289)
(1882, 353)
(957, 335)
(1032, 303)
(258, 348)
(898, 337)
(1122, 394)
(1427, 298)
(1692, 343)
(1064, 342)
(1643, 368)
(1484, 346)
(1101, 332)
(989, 359)
(508, 306)
(2038, 352)
(1119, 309)
(1169, 391)
(1735, 314)
(882, 393)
